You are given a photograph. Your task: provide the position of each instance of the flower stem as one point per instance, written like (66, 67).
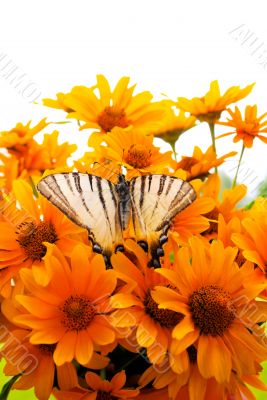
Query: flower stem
(173, 149)
(212, 132)
(7, 387)
(239, 163)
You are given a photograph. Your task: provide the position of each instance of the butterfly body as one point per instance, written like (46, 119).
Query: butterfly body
(105, 209)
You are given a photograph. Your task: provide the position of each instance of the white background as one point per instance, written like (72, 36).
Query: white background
(172, 47)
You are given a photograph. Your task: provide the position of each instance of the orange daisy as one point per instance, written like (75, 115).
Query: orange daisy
(135, 152)
(97, 388)
(253, 240)
(106, 109)
(29, 362)
(24, 230)
(72, 311)
(247, 128)
(174, 123)
(227, 205)
(19, 136)
(209, 107)
(208, 290)
(33, 159)
(191, 221)
(190, 385)
(199, 165)
(136, 308)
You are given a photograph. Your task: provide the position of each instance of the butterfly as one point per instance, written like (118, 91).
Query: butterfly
(105, 209)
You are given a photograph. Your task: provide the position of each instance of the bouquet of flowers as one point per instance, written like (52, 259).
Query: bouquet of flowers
(166, 297)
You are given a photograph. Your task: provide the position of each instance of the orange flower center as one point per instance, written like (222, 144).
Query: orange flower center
(78, 312)
(138, 156)
(212, 310)
(109, 118)
(31, 237)
(47, 349)
(166, 318)
(187, 162)
(105, 396)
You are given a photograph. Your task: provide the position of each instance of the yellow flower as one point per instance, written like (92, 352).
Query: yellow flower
(209, 107)
(134, 151)
(107, 109)
(208, 290)
(16, 139)
(199, 165)
(247, 128)
(173, 124)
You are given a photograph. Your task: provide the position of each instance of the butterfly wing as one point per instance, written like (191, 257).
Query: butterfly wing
(89, 201)
(156, 199)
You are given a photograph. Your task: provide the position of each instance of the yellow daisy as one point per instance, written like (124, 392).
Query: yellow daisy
(136, 152)
(102, 109)
(209, 107)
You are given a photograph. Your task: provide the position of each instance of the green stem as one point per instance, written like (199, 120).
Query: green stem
(173, 149)
(140, 354)
(103, 374)
(7, 387)
(239, 163)
(212, 133)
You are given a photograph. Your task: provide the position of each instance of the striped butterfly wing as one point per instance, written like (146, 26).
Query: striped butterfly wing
(90, 202)
(156, 199)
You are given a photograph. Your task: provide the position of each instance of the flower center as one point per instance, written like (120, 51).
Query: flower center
(166, 318)
(109, 118)
(138, 156)
(187, 162)
(105, 396)
(212, 310)
(31, 237)
(47, 349)
(78, 312)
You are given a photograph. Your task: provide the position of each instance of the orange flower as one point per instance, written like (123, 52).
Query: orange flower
(109, 109)
(191, 221)
(99, 389)
(23, 232)
(173, 124)
(190, 385)
(33, 159)
(209, 107)
(246, 129)
(72, 311)
(208, 290)
(227, 206)
(135, 307)
(134, 151)
(30, 361)
(18, 137)
(199, 165)
(253, 240)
